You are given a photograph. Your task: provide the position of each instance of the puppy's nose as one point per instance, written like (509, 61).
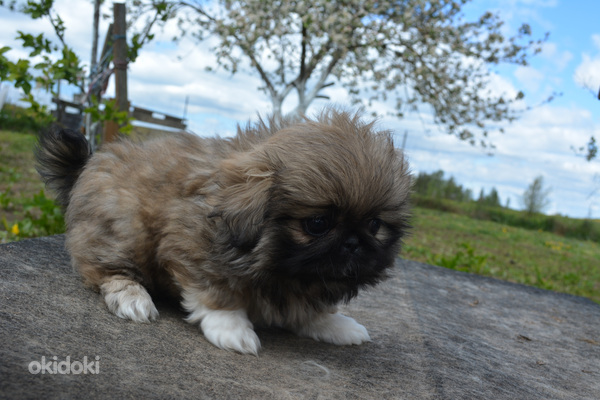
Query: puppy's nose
(351, 245)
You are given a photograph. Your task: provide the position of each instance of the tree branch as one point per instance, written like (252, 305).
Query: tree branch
(198, 9)
(246, 49)
(335, 58)
(303, 53)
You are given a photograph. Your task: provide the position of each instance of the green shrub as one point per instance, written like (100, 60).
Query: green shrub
(463, 260)
(19, 119)
(585, 229)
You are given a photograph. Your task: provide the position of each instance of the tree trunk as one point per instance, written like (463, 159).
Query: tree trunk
(276, 107)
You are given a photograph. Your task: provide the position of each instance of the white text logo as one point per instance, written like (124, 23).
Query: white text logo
(53, 366)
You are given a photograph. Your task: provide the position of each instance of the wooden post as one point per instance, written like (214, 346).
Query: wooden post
(120, 63)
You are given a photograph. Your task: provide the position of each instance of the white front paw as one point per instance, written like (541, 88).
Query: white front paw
(230, 330)
(129, 300)
(335, 328)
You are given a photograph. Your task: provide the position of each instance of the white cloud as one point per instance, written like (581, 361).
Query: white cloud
(500, 86)
(516, 12)
(587, 74)
(560, 59)
(596, 40)
(529, 77)
(547, 129)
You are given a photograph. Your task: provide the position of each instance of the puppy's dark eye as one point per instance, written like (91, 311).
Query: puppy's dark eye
(374, 226)
(317, 226)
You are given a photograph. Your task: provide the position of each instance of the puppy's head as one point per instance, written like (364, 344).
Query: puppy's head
(319, 203)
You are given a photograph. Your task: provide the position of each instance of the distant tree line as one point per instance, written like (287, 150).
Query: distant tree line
(433, 191)
(436, 186)
(491, 199)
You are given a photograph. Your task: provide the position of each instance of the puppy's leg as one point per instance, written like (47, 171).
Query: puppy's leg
(226, 329)
(128, 299)
(334, 328)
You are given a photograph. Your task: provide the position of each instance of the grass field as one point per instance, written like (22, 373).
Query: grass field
(25, 211)
(541, 259)
(17, 172)
(451, 240)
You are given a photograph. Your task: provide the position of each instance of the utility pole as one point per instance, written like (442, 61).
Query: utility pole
(120, 57)
(95, 35)
(404, 140)
(185, 107)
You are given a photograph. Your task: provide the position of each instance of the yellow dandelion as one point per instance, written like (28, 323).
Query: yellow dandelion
(15, 229)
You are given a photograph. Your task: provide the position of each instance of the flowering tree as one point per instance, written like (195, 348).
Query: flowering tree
(412, 52)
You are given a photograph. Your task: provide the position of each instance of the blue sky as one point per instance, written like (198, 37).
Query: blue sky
(571, 26)
(539, 143)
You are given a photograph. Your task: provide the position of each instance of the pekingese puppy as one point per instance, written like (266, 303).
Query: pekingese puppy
(274, 226)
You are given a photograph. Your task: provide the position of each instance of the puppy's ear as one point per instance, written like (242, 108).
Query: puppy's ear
(244, 181)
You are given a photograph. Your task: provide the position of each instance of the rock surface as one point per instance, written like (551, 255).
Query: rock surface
(437, 334)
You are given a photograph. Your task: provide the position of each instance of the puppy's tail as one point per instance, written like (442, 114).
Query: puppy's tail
(61, 155)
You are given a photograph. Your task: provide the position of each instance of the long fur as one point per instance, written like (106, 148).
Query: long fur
(61, 155)
(222, 223)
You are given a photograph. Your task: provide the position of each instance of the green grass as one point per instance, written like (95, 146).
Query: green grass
(450, 239)
(17, 170)
(25, 211)
(537, 258)
(584, 229)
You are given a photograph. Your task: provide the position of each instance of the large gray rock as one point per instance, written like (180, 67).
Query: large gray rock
(437, 334)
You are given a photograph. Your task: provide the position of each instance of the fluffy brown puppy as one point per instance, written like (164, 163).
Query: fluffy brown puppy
(274, 226)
